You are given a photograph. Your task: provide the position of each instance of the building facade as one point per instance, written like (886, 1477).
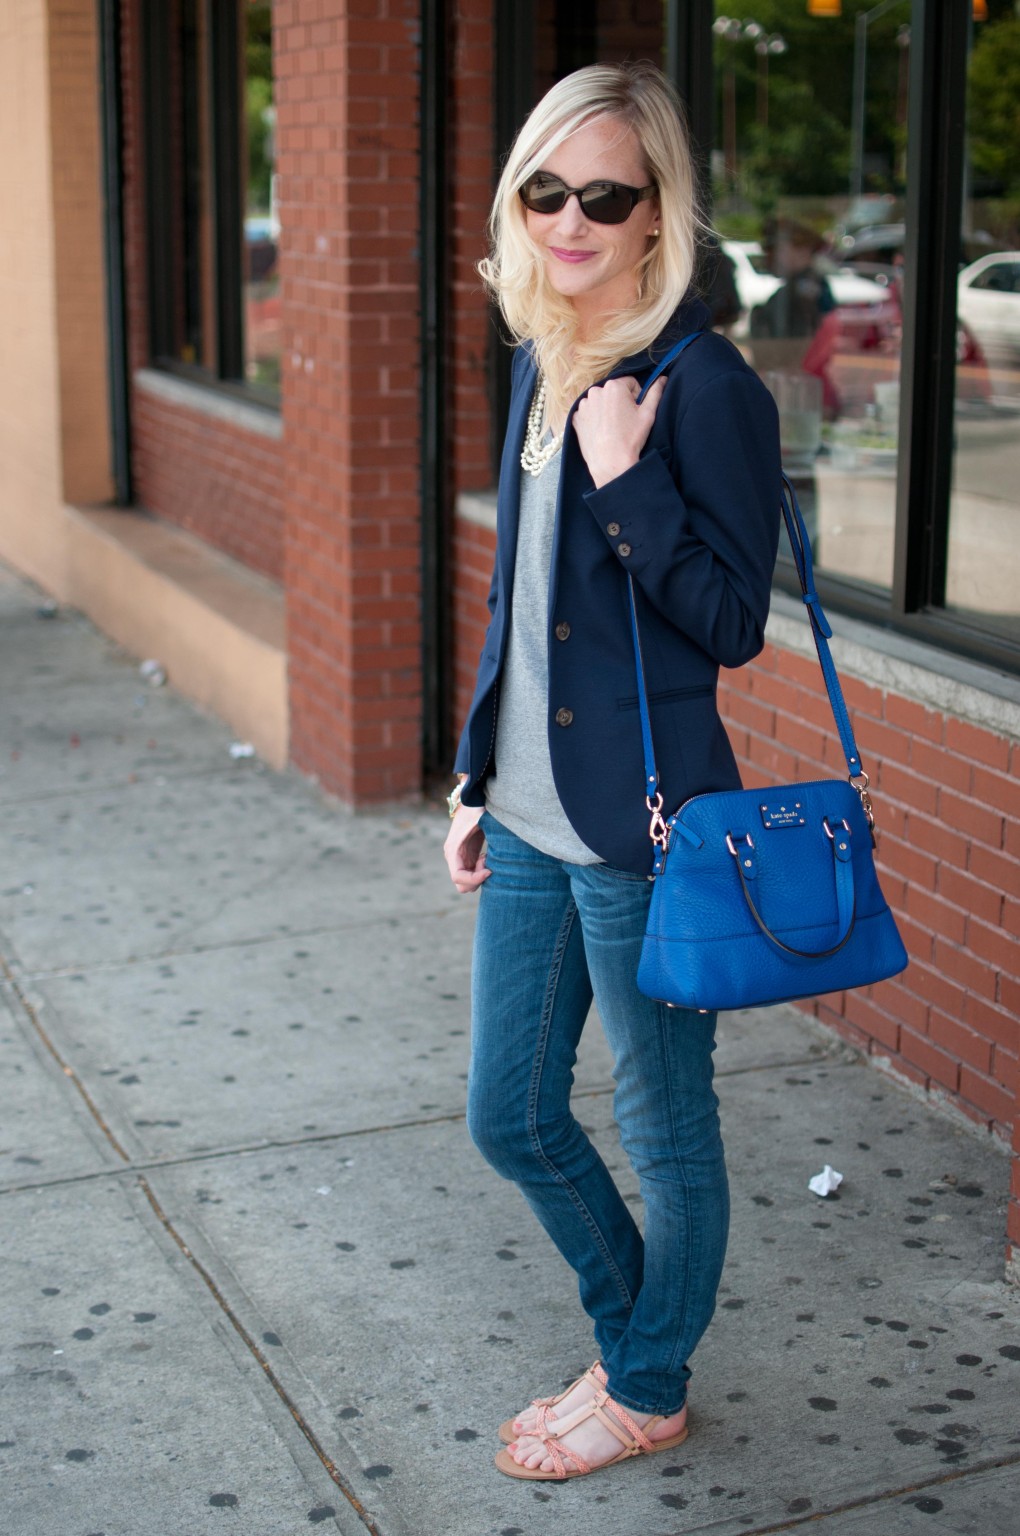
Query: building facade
(251, 412)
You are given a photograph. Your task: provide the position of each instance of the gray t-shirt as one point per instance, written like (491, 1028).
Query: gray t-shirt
(520, 791)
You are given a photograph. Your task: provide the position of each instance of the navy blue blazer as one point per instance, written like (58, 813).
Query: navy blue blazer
(696, 524)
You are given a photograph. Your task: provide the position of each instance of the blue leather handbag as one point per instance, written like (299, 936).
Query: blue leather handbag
(765, 895)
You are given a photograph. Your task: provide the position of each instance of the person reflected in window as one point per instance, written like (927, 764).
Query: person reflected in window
(797, 327)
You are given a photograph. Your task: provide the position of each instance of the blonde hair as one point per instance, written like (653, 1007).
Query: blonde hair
(640, 97)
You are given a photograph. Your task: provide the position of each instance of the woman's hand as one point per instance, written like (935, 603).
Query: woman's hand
(612, 428)
(464, 850)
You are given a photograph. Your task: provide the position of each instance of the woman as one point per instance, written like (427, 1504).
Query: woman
(594, 229)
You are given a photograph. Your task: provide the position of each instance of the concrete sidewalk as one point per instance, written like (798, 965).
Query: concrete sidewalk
(256, 1279)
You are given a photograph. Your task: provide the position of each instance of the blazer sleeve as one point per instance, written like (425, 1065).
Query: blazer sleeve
(700, 537)
(460, 764)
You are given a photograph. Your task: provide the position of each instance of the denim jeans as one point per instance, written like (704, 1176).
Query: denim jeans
(549, 936)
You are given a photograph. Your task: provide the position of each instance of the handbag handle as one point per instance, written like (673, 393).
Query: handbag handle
(821, 632)
(746, 860)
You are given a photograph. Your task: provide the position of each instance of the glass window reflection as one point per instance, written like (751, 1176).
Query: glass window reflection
(808, 188)
(261, 223)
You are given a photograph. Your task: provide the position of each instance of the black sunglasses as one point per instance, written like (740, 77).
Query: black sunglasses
(604, 202)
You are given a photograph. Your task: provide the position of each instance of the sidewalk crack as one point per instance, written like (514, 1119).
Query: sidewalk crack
(267, 1369)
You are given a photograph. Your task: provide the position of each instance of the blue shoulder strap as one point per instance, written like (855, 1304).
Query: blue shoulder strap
(671, 356)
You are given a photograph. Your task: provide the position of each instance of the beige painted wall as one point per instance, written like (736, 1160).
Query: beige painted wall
(54, 424)
(31, 511)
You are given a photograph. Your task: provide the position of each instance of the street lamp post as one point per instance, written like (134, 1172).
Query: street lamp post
(765, 44)
(864, 20)
(764, 48)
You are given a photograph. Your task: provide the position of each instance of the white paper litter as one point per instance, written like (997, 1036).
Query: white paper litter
(241, 749)
(825, 1182)
(153, 672)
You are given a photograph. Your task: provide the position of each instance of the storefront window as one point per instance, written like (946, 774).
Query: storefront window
(983, 558)
(261, 224)
(192, 253)
(808, 189)
(213, 229)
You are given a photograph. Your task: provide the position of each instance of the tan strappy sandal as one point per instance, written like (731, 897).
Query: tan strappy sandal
(633, 1440)
(594, 1375)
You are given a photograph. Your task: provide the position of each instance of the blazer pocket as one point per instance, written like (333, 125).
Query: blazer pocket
(670, 696)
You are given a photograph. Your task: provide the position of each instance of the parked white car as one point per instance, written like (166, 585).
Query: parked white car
(988, 301)
(756, 284)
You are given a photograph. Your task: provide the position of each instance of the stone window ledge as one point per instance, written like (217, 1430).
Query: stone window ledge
(261, 420)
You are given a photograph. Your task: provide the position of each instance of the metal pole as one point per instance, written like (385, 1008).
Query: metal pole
(864, 20)
(857, 121)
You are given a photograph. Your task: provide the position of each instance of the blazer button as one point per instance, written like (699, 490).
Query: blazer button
(564, 716)
(623, 549)
(612, 529)
(563, 631)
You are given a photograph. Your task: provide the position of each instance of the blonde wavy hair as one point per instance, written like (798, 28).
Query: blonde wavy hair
(640, 97)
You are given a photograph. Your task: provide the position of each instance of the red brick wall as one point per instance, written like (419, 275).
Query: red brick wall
(347, 161)
(207, 475)
(215, 479)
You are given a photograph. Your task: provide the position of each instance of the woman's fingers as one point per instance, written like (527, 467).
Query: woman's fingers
(464, 850)
(612, 428)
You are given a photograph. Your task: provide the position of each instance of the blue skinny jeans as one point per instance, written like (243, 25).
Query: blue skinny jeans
(550, 936)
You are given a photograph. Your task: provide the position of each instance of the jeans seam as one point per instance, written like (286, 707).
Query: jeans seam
(666, 1037)
(533, 1092)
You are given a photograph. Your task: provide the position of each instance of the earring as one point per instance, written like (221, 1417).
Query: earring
(656, 233)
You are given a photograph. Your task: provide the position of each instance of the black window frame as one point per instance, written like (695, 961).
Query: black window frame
(222, 87)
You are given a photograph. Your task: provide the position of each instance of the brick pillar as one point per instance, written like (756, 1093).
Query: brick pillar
(347, 146)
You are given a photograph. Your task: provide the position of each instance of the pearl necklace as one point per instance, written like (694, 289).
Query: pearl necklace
(535, 454)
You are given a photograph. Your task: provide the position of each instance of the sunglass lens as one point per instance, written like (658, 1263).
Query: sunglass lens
(543, 194)
(606, 203)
